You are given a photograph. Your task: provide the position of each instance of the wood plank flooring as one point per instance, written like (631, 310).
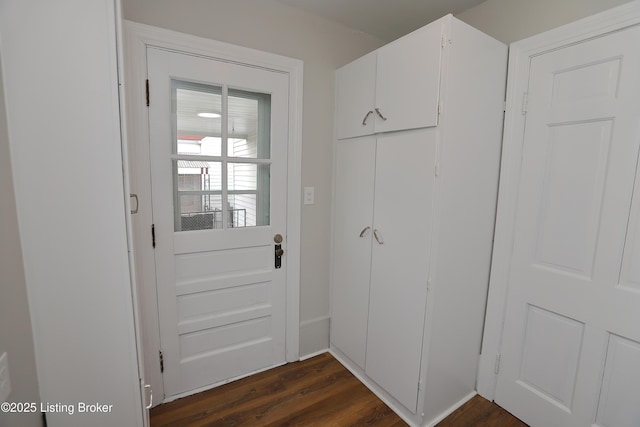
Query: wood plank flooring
(316, 392)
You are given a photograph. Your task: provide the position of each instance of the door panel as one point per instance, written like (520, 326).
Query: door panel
(570, 353)
(408, 80)
(218, 134)
(355, 93)
(404, 188)
(630, 272)
(620, 384)
(353, 217)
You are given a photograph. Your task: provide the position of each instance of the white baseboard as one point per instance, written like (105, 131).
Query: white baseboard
(381, 394)
(414, 420)
(314, 336)
(317, 353)
(452, 409)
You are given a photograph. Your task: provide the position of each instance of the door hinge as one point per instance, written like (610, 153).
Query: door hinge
(428, 284)
(496, 368)
(161, 362)
(525, 102)
(147, 89)
(443, 41)
(437, 169)
(419, 386)
(153, 235)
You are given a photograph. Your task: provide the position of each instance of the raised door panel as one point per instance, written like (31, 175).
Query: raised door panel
(354, 175)
(404, 188)
(355, 96)
(408, 80)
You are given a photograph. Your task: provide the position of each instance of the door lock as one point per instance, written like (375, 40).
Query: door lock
(278, 250)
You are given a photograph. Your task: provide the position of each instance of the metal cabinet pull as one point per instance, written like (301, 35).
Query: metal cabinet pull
(378, 237)
(380, 114)
(147, 386)
(364, 121)
(135, 197)
(364, 231)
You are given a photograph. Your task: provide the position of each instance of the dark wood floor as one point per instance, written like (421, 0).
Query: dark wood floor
(316, 392)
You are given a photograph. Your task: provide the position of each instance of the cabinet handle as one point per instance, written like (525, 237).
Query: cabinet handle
(366, 116)
(380, 114)
(134, 197)
(364, 231)
(148, 387)
(378, 237)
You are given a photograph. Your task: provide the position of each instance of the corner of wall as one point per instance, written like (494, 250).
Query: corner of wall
(16, 336)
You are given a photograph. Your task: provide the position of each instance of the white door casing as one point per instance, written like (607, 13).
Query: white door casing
(570, 339)
(139, 39)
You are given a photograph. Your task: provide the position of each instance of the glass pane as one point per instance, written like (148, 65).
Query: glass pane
(197, 175)
(248, 196)
(198, 198)
(192, 217)
(197, 110)
(249, 124)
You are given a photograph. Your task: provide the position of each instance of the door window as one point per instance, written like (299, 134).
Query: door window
(221, 157)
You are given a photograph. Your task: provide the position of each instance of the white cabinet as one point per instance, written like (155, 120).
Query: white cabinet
(393, 88)
(413, 219)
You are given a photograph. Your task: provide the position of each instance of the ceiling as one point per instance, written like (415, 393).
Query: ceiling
(385, 19)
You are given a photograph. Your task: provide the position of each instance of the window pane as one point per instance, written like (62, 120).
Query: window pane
(196, 175)
(249, 124)
(197, 109)
(198, 198)
(248, 194)
(192, 217)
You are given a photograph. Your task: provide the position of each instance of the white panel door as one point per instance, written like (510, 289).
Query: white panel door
(571, 341)
(408, 80)
(353, 217)
(355, 97)
(218, 137)
(404, 188)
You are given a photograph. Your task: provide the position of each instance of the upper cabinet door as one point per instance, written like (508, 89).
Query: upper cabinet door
(408, 80)
(355, 93)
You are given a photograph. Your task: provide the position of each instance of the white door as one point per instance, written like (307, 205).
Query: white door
(218, 137)
(353, 217)
(571, 343)
(404, 186)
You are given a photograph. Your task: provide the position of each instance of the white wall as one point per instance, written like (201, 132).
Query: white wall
(60, 87)
(323, 46)
(16, 338)
(512, 20)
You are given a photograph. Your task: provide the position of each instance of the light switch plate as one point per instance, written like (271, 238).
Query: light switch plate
(5, 381)
(309, 195)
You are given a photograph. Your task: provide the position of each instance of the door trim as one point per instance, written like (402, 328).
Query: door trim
(520, 54)
(137, 38)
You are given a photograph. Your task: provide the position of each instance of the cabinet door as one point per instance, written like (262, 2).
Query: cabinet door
(355, 96)
(408, 80)
(404, 187)
(353, 206)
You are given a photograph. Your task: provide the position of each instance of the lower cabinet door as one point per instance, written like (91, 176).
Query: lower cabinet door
(404, 193)
(353, 214)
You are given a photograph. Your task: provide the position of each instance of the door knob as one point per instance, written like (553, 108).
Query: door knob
(279, 252)
(277, 238)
